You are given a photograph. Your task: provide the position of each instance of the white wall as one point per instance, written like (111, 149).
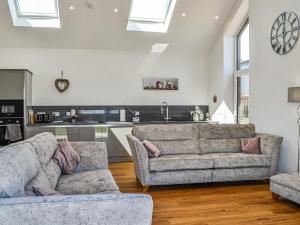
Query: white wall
(108, 77)
(270, 77)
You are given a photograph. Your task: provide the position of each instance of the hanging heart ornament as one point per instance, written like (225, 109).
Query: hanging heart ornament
(62, 84)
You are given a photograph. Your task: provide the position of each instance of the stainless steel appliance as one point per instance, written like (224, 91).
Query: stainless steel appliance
(11, 112)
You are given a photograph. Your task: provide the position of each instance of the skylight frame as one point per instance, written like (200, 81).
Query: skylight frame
(37, 15)
(151, 20)
(34, 20)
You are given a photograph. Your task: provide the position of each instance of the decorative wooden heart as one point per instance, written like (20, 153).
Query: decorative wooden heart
(62, 84)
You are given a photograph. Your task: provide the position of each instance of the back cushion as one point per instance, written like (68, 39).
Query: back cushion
(170, 139)
(45, 145)
(19, 164)
(223, 138)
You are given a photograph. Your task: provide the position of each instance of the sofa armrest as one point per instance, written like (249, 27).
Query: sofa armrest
(126, 209)
(140, 159)
(93, 155)
(271, 146)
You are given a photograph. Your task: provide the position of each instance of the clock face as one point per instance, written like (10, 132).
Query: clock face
(285, 33)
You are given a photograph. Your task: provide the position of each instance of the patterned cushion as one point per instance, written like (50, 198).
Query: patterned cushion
(238, 160)
(52, 172)
(19, 164)
(89, 182)
(180, 162)
(45, 144)
(168, 132)
(291, 181)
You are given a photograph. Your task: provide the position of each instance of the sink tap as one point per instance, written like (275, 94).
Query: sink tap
(165, 108)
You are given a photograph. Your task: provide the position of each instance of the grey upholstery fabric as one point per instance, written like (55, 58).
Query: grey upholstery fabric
(240, 174)
(40, 180)
(165, 132)
(89, 182)
(287, 186)
(222, 142)
(237, 160)
(45, 145)
(118, 209)
(52, 172)
(181, 177)
(93, 155)
(180, 162)
(18, 165)
(177, 147)
(140, 159)
(271, 146)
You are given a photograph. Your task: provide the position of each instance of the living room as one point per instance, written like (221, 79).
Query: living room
(149, 112)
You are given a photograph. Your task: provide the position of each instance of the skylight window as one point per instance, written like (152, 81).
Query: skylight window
(151, 16)
(35, 13)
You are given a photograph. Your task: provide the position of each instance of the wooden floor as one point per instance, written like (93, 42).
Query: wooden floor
(211, 204)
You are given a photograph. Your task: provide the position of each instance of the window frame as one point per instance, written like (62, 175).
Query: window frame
(238, 44)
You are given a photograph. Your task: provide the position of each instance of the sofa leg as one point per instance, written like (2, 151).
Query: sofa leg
(137, 179)
(275, 196)
(267, 181)
(145, 188)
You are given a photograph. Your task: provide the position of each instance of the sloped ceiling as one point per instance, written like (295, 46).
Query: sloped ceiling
(101, 28)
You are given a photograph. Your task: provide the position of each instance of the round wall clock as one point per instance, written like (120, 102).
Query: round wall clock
(285, 33)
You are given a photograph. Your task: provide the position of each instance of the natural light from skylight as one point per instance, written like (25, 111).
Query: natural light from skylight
(35, 13)
(43, 8)
(150, 16)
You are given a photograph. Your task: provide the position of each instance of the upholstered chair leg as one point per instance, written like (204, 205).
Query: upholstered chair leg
(145, 188)
(275, 196)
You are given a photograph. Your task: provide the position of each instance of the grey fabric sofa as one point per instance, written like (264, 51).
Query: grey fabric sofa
(199, 153)
(89, 196)
(287, 186)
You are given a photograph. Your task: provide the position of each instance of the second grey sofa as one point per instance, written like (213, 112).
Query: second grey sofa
(199, 153)
(89, 196)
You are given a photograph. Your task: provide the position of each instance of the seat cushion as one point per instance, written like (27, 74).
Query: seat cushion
(88, 182)
(291, 181)
(238, 160)
(180, 162)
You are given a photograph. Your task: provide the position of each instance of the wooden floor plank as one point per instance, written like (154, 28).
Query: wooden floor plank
(247, 203)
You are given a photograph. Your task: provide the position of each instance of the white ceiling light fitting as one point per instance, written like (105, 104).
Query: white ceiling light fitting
(183, 14)
(72, 7)
(116, 10)
(216, 17)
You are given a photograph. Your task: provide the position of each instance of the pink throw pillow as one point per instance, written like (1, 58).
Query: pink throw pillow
(152, 150)
(251, 145)
(66, 157)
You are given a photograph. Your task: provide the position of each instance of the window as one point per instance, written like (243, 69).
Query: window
(150, 16)
(241, 90)
(243, 47)
(35, 13)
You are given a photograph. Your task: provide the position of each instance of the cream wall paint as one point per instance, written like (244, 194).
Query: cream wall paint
(270, 77)
(108, 77)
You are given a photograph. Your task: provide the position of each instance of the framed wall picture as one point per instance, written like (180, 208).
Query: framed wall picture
(168, 84)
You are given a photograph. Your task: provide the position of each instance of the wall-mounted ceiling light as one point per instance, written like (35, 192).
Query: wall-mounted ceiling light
(183, 14)
(116, 10)
(72, 7)
(216, 17)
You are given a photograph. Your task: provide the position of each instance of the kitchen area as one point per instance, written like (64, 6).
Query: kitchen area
(105, 123)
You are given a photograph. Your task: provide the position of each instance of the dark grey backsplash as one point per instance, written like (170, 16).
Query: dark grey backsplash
(112, 113)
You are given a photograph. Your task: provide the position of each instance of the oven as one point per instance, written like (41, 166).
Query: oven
(11, 112)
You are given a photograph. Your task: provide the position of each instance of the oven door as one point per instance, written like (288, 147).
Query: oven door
(11, 108)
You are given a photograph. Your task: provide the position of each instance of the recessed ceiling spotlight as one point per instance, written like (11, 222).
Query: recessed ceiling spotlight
(183, 14)
(72, 7)
(217, 17)
(116, 10)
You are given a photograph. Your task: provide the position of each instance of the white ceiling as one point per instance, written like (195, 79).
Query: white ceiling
(101, 28)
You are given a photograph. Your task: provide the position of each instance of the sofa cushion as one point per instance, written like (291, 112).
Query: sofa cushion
(168, 132)
(45, 144)
(19, 164)
(180, 162)
(291, 180)
(223, 138)
(238, 160)
(177, 147)
(89, 182)
(52, 171)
